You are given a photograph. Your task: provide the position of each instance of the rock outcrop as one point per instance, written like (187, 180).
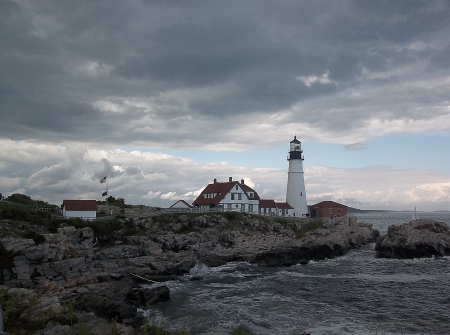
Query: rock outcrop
(334, 239)
(168, 251)
(418, 238)
(50, 257)
(67, 266)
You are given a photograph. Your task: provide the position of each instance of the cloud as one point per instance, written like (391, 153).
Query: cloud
(155, 74)
(99, 88)
(151, 195)
(158, 179)
(170, 196)
(355, 146)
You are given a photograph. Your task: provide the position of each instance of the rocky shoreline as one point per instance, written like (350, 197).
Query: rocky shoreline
(107, 282)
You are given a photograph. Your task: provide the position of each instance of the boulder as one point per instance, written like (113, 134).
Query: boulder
(145, 296)
(418, 238)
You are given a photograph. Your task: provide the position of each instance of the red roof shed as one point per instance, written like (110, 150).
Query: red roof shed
(328, 209)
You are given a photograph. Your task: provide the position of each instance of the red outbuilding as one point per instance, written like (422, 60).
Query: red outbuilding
(327, 209)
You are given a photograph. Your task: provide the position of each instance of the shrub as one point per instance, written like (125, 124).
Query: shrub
(15, 213)
(20, 199)
(233, 216)
(310, 226)
(240, 330)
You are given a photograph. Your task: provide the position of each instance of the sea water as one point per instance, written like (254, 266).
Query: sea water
(353, 294)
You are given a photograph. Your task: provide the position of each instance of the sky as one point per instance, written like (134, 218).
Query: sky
(164, 96)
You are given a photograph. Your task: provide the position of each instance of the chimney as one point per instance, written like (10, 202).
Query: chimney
(215, 180)
(230, 179)
(242, 181)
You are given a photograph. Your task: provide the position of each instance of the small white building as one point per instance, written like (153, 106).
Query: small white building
(267, 207)
(284, 209)
(181, 204)
(83, 209)
(228, 196)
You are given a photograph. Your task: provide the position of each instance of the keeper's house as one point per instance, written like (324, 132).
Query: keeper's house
(327, 209)
(83, 209)
(228, 196)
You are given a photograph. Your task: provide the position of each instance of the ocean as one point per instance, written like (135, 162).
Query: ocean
(353, 294)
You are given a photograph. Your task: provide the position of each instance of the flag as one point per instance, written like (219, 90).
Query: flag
(103, 180)
(104, 194)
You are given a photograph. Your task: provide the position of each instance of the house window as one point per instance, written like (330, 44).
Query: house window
(250, 208)
(229, 206)
(251, 194)
(340, 210)
(237, 187)
(301, 194)
(237, 205)
(232, 196)
(239, 196)
(243, 207)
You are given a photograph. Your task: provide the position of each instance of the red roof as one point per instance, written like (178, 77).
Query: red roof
(248, 189)
(329, 204)
(267, 203)
(80, 205)
(222, 189)
(284, 205)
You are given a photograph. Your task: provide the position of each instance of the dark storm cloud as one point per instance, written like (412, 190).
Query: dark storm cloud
(159, 61)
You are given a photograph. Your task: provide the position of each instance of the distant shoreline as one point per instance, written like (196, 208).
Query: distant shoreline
(356, 210)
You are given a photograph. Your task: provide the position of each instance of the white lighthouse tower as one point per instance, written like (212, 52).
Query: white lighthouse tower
(295, 193)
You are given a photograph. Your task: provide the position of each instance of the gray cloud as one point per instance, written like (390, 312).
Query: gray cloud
(168, 65)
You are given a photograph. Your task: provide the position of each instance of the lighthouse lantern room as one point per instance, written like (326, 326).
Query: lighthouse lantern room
(295, 193)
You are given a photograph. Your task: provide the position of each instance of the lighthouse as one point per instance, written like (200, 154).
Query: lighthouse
(295, 193)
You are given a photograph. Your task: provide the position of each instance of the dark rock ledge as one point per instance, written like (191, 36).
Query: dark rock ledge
(418, 238)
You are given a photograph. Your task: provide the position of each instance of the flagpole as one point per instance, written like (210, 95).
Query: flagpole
(107, 210)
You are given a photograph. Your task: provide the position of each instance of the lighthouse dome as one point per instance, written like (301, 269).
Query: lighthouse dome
(295, 140)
